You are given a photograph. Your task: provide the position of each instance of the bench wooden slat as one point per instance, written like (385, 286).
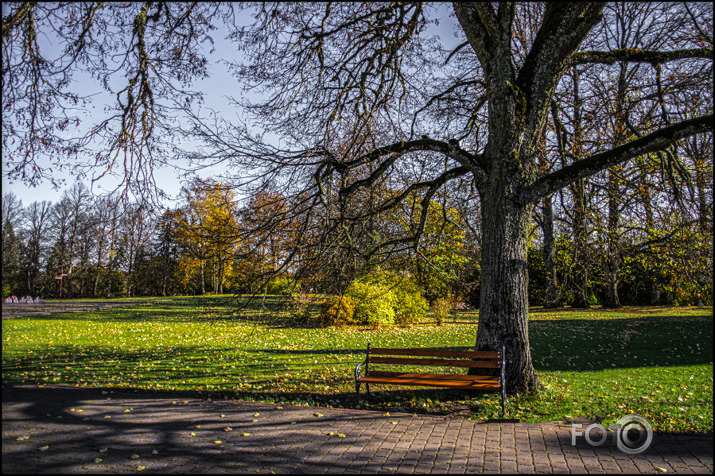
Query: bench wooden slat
(466, 354)
(486, 379)
(486, 364)
(432, 383)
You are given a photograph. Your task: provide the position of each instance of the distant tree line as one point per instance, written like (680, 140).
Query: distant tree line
(211, 242)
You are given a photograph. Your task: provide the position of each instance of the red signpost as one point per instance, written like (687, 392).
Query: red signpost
(62, 274)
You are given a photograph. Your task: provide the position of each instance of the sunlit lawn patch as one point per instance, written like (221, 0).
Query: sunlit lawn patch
(656, 362)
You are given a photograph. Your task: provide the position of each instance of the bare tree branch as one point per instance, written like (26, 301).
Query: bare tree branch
(632, 55)
(652, 142)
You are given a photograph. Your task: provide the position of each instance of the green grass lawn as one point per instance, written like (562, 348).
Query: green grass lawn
(655, 362)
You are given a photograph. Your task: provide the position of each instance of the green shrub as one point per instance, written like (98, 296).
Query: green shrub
(337, 311)
(373, 303)
(409, 304)
(383, 298)
(441, 310)
(684, 294)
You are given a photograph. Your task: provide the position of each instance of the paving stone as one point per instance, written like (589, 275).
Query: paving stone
(416, 444)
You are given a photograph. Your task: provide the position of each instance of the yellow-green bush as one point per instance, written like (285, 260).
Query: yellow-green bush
(384, 298)
(409, 304)
(373, 303)
(337, 311)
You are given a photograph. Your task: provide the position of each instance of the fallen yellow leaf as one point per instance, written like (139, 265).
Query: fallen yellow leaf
(43, 448)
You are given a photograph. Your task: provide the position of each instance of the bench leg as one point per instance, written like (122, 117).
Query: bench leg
(357, 387)
(367, 386)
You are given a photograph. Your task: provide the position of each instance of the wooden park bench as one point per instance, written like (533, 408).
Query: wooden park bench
(436, 358)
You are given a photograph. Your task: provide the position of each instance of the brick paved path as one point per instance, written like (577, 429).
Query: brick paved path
(59, 429)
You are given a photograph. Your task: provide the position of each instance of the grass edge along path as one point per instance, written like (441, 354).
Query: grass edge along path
(655, 362)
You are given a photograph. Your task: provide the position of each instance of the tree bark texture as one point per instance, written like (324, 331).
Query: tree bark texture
(504, 304)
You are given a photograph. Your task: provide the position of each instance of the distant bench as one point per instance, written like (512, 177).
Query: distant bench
(447, 358)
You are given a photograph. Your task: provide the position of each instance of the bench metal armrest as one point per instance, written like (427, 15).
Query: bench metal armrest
(357, 370)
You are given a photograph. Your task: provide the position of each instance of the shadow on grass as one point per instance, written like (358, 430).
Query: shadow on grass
(583, 344)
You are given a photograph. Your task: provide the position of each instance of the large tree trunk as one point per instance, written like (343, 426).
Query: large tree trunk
(504, 305)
